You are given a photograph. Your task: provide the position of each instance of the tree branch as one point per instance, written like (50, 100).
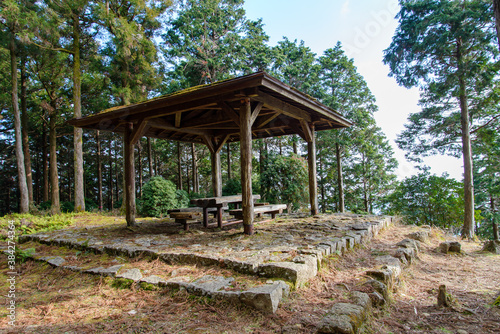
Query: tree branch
(486, 124)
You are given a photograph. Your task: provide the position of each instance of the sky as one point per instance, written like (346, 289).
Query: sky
(365, 28)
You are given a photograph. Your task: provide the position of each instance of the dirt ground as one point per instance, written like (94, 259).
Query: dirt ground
(53, 300)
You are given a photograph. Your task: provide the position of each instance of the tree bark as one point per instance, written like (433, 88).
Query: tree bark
(24, 129)
(196, 182)
(313, 178)
(496, 9)
(45, 167)
(179, 166)
(21, 171)
(495, 225)
(78, 132)
(228, 162)
(99, 170)
(150, 158)
(340, 177)
(110, 172)
(468, 228)
(54, 179)
(139, 160)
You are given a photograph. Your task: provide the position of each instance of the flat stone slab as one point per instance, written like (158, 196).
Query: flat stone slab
(133, 274)
(56, 261)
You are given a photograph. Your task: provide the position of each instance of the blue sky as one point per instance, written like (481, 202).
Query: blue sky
(365, 28)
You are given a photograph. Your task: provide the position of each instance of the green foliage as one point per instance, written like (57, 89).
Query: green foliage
(426, 199)
(27, 223)
(67, 207)
(284, 180)
(232, 187)
(23, 254)
(182, 197)
(158, 196)
(122, 283)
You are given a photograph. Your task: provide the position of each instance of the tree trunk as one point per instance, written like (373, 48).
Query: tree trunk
(78, 132)
(340, 177)
(196, 181)
(139, 150)
(21, 171)
(294, 144)
(228, 162)
(494, 223)
(25, 135)
(45, 167)
(110, 172)
(54, 179)
(129, 176)
(179, 166)
(99, 170)
(468, 228)
(496, 9)
(150, 158)
(365, 191)
(117, 172)
(322, 187)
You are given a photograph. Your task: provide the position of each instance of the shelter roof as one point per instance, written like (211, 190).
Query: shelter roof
(210, 113)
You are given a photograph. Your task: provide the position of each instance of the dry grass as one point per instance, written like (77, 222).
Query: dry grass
(58, 301)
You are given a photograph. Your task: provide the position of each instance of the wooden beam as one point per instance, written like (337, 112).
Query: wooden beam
(216, 173)
(229, 111)
(286, 108)
(308, 133)
(246, 165)
(208, 141)
(218, 146)
(162, 124)
(178, 116)
(130, 209)
(266, 120)
(256, 112)
(139, 130)
(313, 183)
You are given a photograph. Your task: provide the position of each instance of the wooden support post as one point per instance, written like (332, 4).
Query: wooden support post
(129, 176)
(246, 165)
(216, 173)
(313, 183)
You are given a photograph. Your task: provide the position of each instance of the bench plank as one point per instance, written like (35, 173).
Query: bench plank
(272, 209)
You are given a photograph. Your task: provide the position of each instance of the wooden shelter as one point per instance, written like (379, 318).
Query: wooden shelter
(240, 109)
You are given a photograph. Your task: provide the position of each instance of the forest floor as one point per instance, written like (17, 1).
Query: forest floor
(54, 300)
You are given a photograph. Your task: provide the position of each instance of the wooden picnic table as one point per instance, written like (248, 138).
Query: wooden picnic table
(219, 203)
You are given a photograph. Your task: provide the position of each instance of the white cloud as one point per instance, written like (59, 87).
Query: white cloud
(345, 8)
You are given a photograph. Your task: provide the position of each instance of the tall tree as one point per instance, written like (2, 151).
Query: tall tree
(10, 14)
(343, 89)
(447, 49)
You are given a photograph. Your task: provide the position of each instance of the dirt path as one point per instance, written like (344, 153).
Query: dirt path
(472, 279)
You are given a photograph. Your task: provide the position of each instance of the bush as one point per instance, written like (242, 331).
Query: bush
(182, 198)
(158, 196)
(67, 207)
(284, 180)
(232, 187)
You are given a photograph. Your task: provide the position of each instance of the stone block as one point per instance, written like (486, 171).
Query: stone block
(265, 298)
(133, 274)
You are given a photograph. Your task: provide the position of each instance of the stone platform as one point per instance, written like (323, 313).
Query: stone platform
(290, 248)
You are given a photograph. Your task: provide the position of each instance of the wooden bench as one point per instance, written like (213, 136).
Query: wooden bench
(188, 216)
(271, 209)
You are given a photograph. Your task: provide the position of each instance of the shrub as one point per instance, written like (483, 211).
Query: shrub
(182, 198)
(284, 180)
(232, 187)
(158, 196)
